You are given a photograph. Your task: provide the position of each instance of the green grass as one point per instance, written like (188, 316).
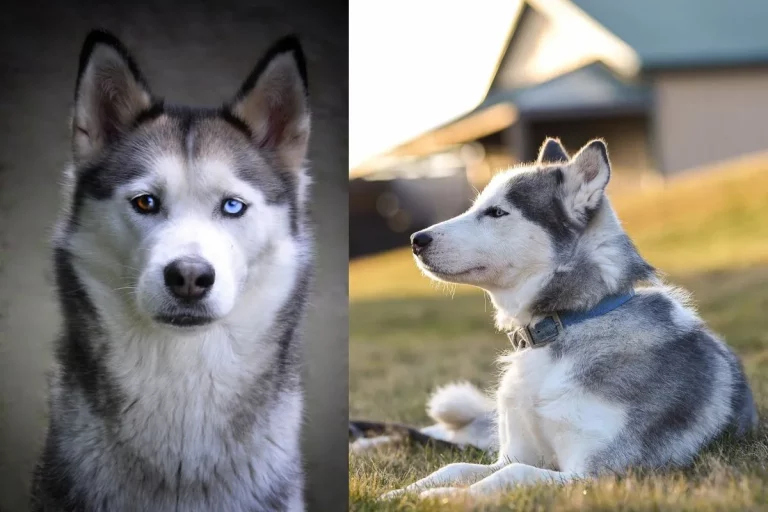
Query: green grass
(709, 232)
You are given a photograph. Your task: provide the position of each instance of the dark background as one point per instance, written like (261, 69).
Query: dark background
(190, 52)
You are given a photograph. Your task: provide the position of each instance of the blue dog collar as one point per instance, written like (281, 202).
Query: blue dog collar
(547, 329)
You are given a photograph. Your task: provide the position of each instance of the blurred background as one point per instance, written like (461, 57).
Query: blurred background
(195, 52)
(679, 91)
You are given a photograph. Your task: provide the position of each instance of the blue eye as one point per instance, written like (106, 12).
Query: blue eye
(233, 207)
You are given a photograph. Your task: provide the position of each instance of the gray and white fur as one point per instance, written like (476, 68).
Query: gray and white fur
(646, 385)
(183, 261)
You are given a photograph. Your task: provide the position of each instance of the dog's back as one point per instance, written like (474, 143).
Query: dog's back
(678, 384)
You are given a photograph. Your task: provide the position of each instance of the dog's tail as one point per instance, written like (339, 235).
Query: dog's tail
(458, 404)
(465, 416)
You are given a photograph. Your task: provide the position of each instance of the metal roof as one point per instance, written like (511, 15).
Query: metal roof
(593, 88)
(687, 33)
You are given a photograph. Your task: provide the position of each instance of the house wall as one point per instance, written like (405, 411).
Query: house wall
(703, 117)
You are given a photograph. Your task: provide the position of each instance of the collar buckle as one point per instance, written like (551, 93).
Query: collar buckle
(544, 332)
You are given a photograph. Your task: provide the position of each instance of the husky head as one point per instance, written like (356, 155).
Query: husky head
(541, 236)
(174, 212)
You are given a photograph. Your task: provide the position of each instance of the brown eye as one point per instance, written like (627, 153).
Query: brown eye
(146, 204)
(495, 212)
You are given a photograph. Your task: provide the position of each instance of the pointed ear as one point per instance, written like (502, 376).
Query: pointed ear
(273, 102)
(552, 152)
(109, 95)
(586, 178)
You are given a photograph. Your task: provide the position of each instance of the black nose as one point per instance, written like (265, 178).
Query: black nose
(419, 241)
(189, 278)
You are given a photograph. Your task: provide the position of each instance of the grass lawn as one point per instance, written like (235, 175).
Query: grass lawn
(708, 232)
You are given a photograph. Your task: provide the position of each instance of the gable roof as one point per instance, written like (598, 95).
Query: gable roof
(686, 33)
(592, 88)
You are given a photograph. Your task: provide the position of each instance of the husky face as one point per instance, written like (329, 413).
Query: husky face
(176, 213)
(524, 224)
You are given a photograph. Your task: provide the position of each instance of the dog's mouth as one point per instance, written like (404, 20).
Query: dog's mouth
(433, 269)
(184, 320)
(455, 274)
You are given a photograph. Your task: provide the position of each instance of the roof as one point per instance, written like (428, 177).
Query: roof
(592, 88)
(687, 33)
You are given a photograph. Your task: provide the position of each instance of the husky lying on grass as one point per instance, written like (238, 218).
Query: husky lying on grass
(183, 260)
(605, 375)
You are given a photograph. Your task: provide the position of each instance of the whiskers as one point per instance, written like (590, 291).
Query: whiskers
(132, 290)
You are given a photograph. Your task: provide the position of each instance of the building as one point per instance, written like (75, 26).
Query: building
(670, 84)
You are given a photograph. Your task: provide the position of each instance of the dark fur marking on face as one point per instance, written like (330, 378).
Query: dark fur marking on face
(278, 185)
(236, 123)
(156, 110)
(98, 181)
(120, 162)
(186, 127)
(535, 194)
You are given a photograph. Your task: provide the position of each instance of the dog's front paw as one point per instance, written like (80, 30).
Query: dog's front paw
(442, 492)
(391, 495)
(434, 492)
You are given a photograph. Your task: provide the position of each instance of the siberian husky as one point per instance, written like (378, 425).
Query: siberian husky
(606, 374)
(183, 260)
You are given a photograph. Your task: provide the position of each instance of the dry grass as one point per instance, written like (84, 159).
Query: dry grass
(708, 231)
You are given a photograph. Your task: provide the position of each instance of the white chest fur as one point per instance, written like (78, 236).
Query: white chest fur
(180, 428)
(546, 418)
